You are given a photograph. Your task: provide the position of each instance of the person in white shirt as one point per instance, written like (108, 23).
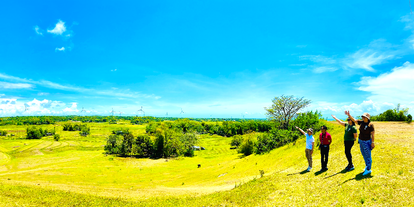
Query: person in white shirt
(310, 141)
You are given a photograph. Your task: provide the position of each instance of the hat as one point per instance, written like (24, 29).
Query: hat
(366, 115)
(310, 130)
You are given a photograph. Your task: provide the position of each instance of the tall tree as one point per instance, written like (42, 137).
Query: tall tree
(285, 108)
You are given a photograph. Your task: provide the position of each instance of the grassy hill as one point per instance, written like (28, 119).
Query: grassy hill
(75, 172)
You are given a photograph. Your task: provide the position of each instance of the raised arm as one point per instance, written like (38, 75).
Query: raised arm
(300, 130)
(352, 118)
(339, 121)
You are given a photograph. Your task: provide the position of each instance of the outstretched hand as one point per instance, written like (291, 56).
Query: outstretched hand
(347, 113)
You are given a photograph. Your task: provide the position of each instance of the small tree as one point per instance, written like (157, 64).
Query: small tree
(409, 118)
(285, 108)
(56, 137)
(34, 133)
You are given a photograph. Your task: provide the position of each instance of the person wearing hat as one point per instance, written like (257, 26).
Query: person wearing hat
(349, 140)
(309, 146)
(366, 139)
(325, 140)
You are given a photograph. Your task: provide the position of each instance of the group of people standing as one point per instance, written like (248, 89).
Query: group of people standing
(365, 140)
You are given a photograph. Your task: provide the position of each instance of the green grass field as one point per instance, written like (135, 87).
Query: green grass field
(75, 172)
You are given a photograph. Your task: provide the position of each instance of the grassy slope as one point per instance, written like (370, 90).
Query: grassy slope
(74, 172)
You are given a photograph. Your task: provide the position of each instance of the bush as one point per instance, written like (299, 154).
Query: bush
(113, 144)
(264, 143)
(236, 141)
(159, 145)
(307, 120)
(34, 133)
(3, 133)
(127, 143)
(84, 130)
(143, 146)
(409, 118)
(56, 137)
(247, 146)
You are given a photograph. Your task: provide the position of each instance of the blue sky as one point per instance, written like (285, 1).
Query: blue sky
(210, 58)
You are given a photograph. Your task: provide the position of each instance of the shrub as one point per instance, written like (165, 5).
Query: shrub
(113, 144)
(409, 118)
(264, 143)
(121, 131)
(56, 137)
(307, 120)
(236, 141)
(247, 146)
(127, 142)
(3, 133)
(84, 130)
(143, 146)
(34, 133)
(159, 145)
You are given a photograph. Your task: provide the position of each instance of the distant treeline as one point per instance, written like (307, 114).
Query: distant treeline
(394, 115)
(39, 120)
(224, 128)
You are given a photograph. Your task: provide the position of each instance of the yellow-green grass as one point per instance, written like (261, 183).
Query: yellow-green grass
(74, 171)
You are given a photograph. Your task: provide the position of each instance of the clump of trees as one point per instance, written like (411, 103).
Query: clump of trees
(56, 137)
(164, 142)
(396, 114)
(3, 132)
(34, 132)
(83, 129)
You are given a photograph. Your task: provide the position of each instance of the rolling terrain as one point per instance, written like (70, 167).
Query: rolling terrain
(76, 172)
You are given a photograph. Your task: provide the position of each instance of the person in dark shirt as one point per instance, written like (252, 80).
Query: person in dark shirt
(325, 139)
(366, 139)
(349, 139)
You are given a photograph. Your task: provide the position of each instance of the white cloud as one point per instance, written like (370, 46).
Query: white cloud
(338, 109)
(318, 59)
(60, 49)
(366, 58)
(114, 70)
(59, 28)
(396, 85)
(72, 109)
(323, 69)
(12, 107)
(6, 85)
(37, 30)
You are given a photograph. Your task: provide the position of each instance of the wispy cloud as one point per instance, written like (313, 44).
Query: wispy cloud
(378, 52)
(37, 30)
(48, 84)
(323, 69)
(318, 59)
(60, 49)
(59, 28)
(6, 85)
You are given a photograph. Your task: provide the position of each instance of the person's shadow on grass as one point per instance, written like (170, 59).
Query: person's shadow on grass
(340, 172)
(301, 173)
(358, 177)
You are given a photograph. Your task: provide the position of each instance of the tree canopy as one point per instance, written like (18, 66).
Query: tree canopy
(285, 108)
